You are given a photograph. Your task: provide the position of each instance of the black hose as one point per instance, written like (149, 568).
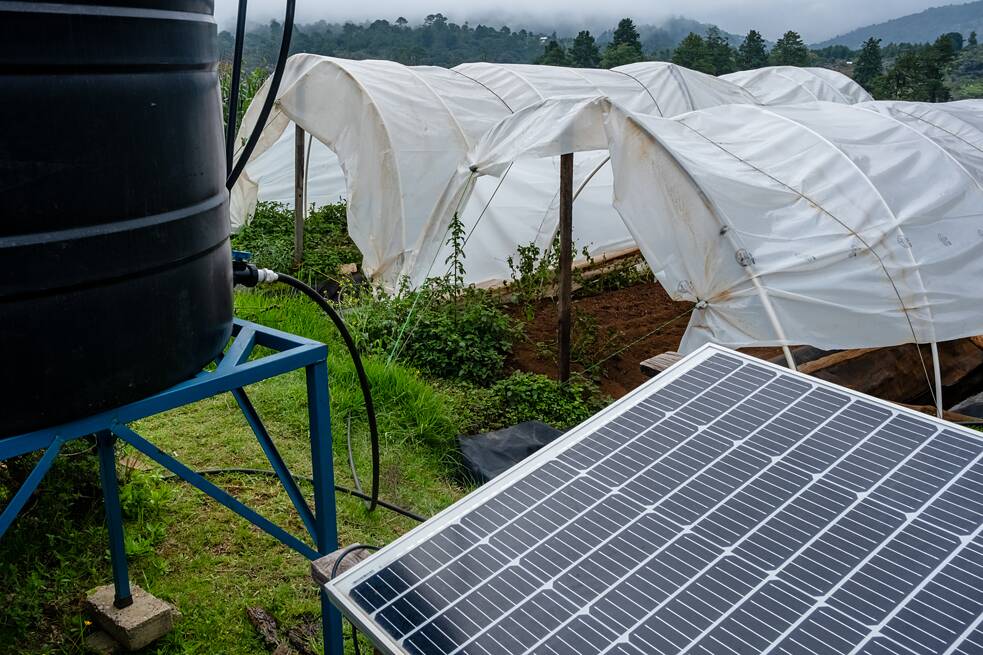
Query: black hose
(231, 126)
(264, 114)
(334, 571)
(306, 478)
(363, 379)
(345, 553)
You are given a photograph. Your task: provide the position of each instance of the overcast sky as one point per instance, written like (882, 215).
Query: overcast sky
(816, 20)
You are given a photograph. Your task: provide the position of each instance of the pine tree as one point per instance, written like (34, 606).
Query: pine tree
(972, 40)
(692, 53)
(870, 64)
(626, 34)
(719, 52)
(790, 51)
(553, 55)
(584, 52)
(752, 53)
(625, 46)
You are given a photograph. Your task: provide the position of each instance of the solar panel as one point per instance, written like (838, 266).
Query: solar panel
(727, 506)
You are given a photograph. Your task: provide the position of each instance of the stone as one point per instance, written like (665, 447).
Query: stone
(100, 643)
(133, 627)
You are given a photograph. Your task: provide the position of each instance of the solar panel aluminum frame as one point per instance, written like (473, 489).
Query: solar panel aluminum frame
(339, 589)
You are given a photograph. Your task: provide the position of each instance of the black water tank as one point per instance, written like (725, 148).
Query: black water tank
(115, 273)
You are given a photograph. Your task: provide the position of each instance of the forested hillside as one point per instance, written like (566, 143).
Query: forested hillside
(938, 68)
(440, 42)
(436, 42)
(917, 28)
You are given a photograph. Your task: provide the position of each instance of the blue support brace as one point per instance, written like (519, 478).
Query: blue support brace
(29, 485)
(106, 445)
(234, 372)
(276, 461)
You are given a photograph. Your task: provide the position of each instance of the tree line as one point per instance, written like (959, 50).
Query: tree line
(937, 71)
(436, 42)
(922, 72)
(710, 53)
(917, 72)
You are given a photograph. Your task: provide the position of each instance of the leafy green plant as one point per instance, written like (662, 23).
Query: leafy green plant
(447, 331)
(533, 272)
(530, 396)
(621, 273)
(269, 236)
(534, 276)
(588, 346)
(455, 260)
(143, 497)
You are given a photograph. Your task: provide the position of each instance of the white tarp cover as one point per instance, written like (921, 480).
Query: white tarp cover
(849, 227)
(786, 85)
(398, 133)
(273, 174)
(401, 134)
(957, 126)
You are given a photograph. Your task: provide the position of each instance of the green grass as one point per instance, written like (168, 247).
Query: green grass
(201, 557)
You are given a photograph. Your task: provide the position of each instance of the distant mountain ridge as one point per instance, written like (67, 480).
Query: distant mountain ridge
(922, 27)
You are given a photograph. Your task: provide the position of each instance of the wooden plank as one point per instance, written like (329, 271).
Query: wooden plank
(299, 208)
(655, 365)
(565, 263)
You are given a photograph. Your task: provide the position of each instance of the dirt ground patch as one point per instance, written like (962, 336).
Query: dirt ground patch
(622, 320)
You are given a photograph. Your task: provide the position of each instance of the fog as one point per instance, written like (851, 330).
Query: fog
(816, 20)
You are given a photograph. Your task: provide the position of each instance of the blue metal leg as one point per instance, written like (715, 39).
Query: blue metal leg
(16, 503)
(106, 442)
(324, 501)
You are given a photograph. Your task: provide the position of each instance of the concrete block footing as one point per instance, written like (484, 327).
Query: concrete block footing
(135, 626)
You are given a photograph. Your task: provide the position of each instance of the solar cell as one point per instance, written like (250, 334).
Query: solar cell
(728, 506)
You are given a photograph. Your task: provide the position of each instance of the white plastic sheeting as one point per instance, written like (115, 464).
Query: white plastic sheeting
(786, 85)
(325, 181)
(398, 132)
(401, 134)
(957, 126)
(822, 224)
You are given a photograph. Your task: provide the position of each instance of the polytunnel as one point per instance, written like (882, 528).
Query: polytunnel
(786, 85)
(398, 137)
(822, 224)
(398, 133)
(522, 206)
(958, 126)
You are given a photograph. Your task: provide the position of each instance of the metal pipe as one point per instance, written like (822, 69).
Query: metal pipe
(565, 264)
(937, 368)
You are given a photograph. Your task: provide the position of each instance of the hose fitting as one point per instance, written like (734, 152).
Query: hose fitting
(247, 274)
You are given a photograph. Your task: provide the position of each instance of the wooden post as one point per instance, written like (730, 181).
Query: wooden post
(299, 208)
(566, 263)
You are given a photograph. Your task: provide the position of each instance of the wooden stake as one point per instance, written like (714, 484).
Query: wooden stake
(566, 263)
(299, 208)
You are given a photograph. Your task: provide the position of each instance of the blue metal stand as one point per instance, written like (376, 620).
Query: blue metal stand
(234, 371)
